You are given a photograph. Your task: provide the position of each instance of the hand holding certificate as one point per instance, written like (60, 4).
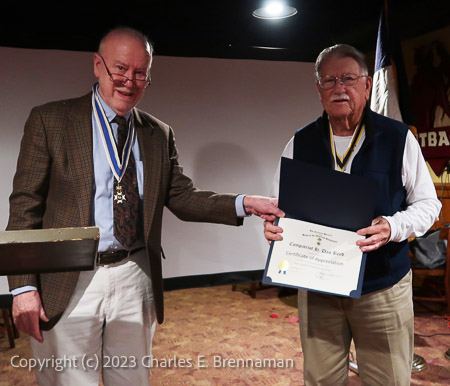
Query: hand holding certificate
(318, 251)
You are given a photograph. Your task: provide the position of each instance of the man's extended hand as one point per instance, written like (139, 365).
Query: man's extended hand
(379, 231)
(264, 207)
(27, 310)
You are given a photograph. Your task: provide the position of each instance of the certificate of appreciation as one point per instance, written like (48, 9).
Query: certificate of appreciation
(316, 257)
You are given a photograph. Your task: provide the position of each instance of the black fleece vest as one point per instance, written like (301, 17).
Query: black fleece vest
(380, 158)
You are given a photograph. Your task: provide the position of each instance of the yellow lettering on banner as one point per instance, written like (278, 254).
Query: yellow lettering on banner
(443, 140)
(431, 139)
(422, 137)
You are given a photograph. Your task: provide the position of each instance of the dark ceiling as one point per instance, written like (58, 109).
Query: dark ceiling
(220, 29)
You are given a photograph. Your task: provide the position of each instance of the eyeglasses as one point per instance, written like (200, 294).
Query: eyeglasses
(329, 82)
(121, 80)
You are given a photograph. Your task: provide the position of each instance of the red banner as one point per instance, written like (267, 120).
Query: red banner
(435, 145)
(430, 91)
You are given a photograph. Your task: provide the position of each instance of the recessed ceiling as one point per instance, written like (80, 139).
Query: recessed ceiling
(218, 29)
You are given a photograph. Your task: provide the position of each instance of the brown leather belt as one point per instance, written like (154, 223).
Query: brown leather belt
(111, 257)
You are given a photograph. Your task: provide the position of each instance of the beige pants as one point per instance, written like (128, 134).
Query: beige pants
(108, 325)
(381, 325)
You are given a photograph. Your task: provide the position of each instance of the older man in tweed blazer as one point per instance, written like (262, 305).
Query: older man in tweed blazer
(57, 184)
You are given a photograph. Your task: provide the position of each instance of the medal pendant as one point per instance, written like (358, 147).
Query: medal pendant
(119, 197)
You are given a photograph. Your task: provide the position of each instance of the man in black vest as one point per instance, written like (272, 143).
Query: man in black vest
(351, 138)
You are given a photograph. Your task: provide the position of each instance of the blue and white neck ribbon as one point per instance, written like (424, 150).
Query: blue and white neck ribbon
(118, 166)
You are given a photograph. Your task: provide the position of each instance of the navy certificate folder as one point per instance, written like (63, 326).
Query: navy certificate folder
(326, 197)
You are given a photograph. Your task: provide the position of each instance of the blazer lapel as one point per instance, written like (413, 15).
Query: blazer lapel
(151, 159)
(80, 156)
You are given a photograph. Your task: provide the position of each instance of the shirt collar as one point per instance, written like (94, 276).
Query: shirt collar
(109, 112)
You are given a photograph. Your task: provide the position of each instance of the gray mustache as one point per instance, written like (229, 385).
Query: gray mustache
(336, 97)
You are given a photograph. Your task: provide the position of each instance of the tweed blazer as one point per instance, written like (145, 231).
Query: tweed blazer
(54, 186)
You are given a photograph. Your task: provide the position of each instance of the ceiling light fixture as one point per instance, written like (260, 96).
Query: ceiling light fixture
(274, 10)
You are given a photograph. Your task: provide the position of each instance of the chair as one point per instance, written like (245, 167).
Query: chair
(252, 290)
(5, 306)
(439, 271)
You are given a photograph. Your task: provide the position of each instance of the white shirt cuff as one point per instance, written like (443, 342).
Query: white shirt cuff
(240, 210)
(21, 290)
(393, 236)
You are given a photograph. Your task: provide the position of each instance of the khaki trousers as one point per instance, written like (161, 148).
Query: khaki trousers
(381, 325)
(107, 328)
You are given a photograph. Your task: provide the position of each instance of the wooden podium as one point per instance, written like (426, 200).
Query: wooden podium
(48, 250)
